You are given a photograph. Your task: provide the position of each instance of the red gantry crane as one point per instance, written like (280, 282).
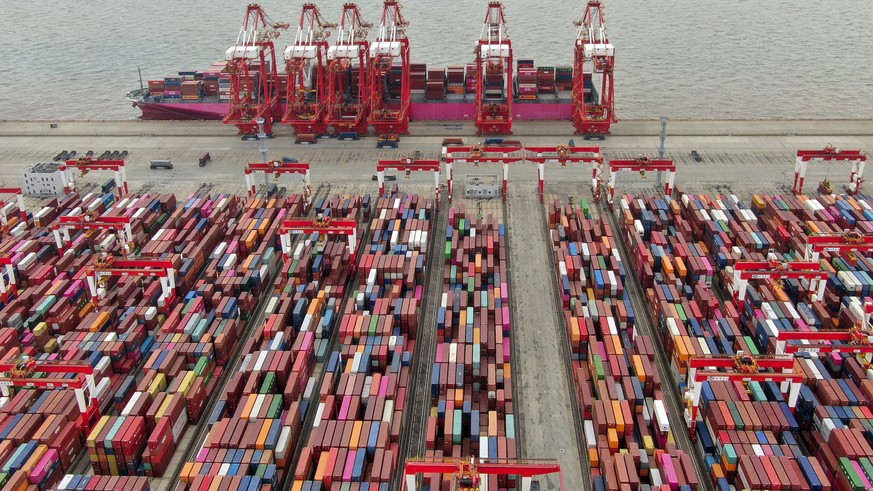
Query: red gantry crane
(305, 63)
(254, 76)
(106, 265)
(389, 56)
(593, 65)
(277, 168)
(830, 154)
(91, 222)
(502, 153)
(409, 165)
(739, 367)
(480, 474)
(322, 225)
(564, 154)
(850, 241)
(21, 372)
(494, 75)
(347, 91)
(641, 164)
(86, 165)
(775, 270)
(19, 199)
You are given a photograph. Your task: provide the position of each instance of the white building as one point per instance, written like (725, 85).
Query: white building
(43, 179)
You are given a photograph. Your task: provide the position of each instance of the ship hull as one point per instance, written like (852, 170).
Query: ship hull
(419, 111)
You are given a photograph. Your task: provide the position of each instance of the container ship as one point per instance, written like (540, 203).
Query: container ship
(332, 83)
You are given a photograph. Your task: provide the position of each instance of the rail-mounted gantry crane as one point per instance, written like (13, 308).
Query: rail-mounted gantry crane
(19, 200)
(22, 371)
(564, 154)
(106, 265)
(92, 222)
(641, 164)
(87, 164)
(408, 165)
(480, 474)
(277, 168)
(324, 225)
(773, 269)
(593, 66)
(738, 367)
(503, 153)
(494, 75)
(254, 78)
(347, 91)
(389, 56)
(830, 153)
(306, 66)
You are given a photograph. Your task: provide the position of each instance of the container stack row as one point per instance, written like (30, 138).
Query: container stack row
(255, 426)
(361, 401)
(115, 335)
(471, 388)
(681, 247)
(628, 438)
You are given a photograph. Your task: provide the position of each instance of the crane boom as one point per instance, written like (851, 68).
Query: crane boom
(390, 61)
(494, 74)
(593, 67)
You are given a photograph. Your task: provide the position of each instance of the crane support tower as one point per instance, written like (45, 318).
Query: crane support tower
(254, 76)
(347, 92)
(120, 224)
(564, 154)
(494, 75)
(277, 168)
(775, 270)
(830, 154)
(642, 164)
(741, 368)
(389, 56)
(409, 165)
(306, 66)
(593, 65)
(480, 474)
(19, 200)
(8, 274)
(321, 225)
(85, 165)
(19, 373)
(107, 265)
(504, 153)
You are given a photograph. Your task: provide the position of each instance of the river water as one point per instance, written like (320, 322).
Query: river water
(686, 59)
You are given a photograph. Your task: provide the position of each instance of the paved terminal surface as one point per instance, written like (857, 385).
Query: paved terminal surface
(739, 157)
(545, 404)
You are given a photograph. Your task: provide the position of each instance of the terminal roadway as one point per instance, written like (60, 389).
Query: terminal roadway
(548, 420)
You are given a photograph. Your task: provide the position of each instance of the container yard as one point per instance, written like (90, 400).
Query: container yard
(230, 334)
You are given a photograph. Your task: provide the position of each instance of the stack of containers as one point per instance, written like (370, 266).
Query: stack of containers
(471, 387)
(72, 482)
(546, 80)
(627, 435)
(156, 88)
(692, 322)
(356, 433)
(192, 90)
(495, 81)
(115, 337)
(211, 82)
(455, 79)
(470, 71)
(395, 82)
(564, 78)
(187, 352)
(173, 87)
(417, 78)
(256, 423)
(436, 84)
(526, 79)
